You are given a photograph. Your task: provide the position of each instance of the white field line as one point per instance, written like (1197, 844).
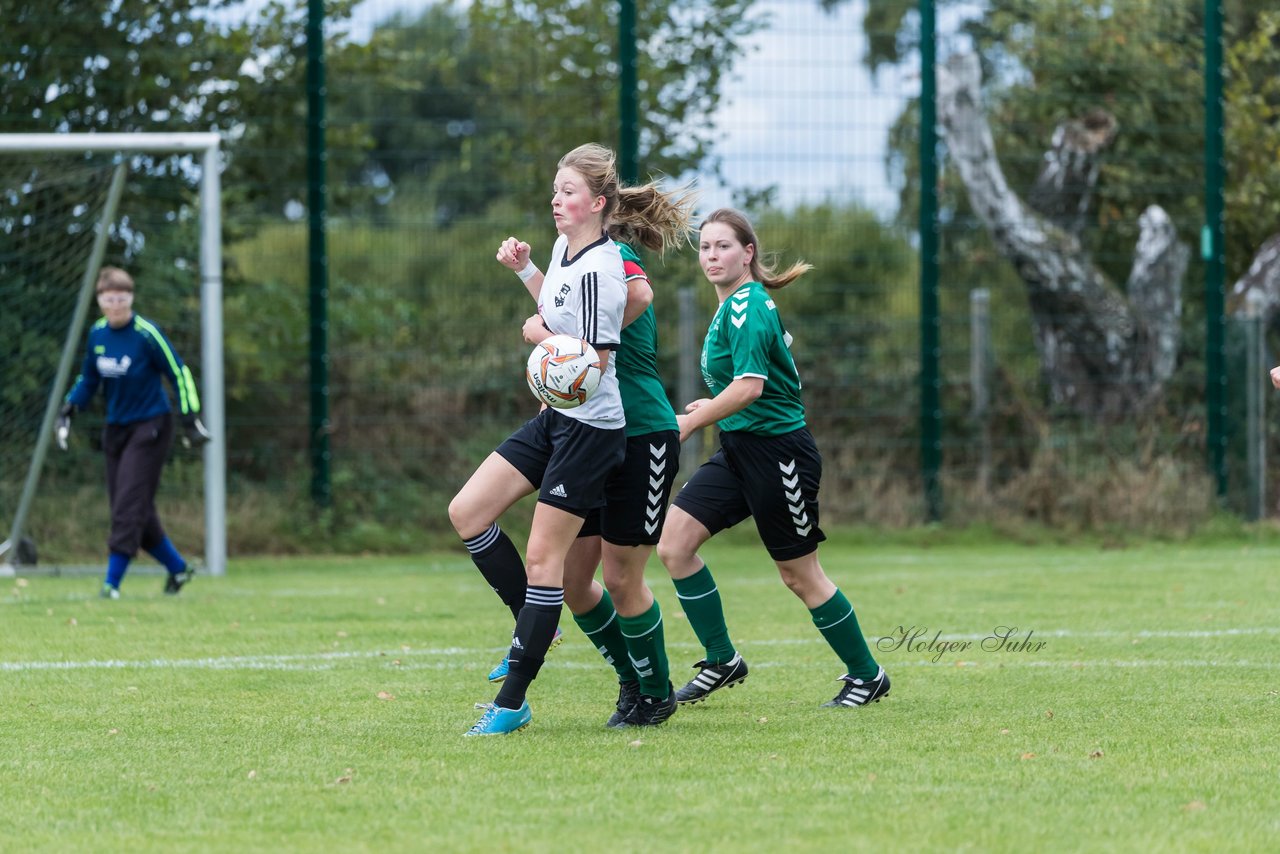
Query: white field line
(326, 660)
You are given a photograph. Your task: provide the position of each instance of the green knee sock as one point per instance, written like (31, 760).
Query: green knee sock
(839, 625)
(648, 653)
(700, 599)
(600, 625)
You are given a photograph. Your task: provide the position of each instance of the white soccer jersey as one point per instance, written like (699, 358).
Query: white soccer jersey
(585, 297)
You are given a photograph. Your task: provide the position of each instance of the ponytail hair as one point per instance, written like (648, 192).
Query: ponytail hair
(763, 270)
(653, 218)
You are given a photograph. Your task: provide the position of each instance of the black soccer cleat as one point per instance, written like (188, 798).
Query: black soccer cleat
(650, 711)
(860, 692)
(174, 582)
(628, 695)
(712, 677)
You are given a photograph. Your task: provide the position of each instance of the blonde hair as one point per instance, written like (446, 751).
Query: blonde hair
(646, 215)
(653, 218)
(114, 279)
(763, 269)
(596, 164)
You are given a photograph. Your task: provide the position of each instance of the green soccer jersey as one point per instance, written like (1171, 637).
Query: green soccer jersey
(746, 339)
(644, 400)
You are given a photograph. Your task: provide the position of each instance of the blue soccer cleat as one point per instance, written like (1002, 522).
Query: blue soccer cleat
(499, 673)
(499, 721)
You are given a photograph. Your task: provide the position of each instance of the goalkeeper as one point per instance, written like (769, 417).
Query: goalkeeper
(128, 354)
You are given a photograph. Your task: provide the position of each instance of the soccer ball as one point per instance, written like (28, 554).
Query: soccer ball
(563, 371)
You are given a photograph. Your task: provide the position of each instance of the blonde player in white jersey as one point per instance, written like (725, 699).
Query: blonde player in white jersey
(564, 455)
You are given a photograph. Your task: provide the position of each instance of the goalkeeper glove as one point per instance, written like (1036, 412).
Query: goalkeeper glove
(62, 426)
(193, 432)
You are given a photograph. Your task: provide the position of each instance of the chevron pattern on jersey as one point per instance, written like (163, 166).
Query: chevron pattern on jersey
(738, 308)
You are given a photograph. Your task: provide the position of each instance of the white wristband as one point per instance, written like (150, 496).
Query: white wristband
(530, 270)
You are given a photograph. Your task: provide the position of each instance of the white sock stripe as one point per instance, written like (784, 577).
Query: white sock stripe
(646, 631)
(699, 596)
(482, 541)
(837, 622)
(535, 596)
(612, 617)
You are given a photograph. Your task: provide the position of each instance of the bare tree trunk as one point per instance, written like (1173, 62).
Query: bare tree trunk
(1102, 353)
(1258, 291)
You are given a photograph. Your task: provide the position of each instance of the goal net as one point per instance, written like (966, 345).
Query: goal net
(69, 204)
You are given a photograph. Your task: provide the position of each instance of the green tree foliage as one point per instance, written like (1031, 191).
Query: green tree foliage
(228, 66)
(478, 103)
(1143, 60)
(1252, 138)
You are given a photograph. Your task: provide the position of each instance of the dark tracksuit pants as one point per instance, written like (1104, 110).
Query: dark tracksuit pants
(136, 454)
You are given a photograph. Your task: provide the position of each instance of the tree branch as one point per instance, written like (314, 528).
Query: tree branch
(1095, 346)
(1065, 184)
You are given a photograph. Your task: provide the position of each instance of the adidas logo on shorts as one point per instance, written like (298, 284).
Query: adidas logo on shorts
(558, 491)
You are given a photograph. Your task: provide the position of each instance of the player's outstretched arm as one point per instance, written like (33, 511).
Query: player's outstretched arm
(735, 397)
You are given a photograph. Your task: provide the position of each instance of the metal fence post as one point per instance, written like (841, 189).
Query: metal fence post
(628, 109)
(1211, 249)
(1255, 416)
(318, 256)
(980, 380)
(930, 348)
(688, 375)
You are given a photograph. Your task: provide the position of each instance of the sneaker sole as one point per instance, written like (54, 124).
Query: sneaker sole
(490, 734)
(513, 731)
(695, 700)
(555, 643)
(843, 706)
(835, 705)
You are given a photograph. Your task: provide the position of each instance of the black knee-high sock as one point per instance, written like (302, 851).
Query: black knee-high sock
(535, 626)
(499, 562)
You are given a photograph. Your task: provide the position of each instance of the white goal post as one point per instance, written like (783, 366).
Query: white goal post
(206, 146)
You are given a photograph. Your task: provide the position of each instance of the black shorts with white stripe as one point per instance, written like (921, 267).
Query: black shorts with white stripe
(637, 494)
(773, 478)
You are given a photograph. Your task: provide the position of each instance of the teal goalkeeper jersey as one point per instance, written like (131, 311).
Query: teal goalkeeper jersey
(644, 399)
(746, 339)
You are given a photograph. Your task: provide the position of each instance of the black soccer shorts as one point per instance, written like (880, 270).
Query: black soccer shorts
(773, 478)
(567, 460)
(638, 492)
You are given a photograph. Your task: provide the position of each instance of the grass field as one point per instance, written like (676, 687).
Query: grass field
(319, 704)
